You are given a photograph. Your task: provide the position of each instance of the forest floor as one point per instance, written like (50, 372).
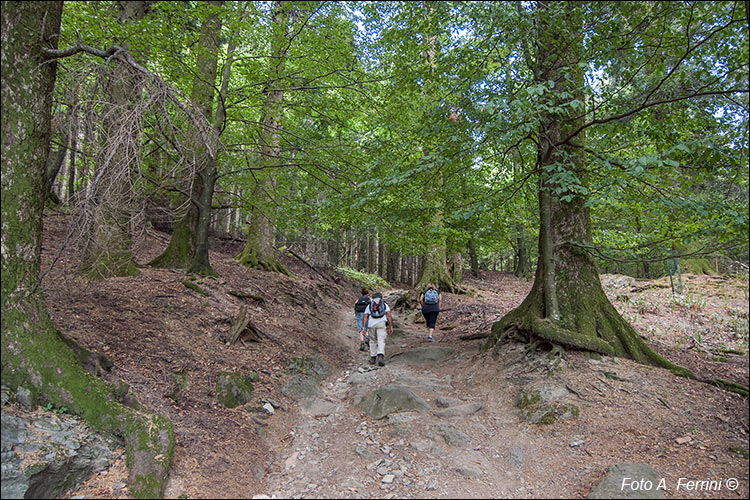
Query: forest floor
(159, 333)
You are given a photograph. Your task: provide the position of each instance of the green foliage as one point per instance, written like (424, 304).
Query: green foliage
(370, 281)
(57, 411)
(376, 135)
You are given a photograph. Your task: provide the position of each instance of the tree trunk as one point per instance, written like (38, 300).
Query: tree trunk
(522, 263)
(473, 258)
(567, 304)
(455, 267)
(258, 251)
(372, 252)
(188, 246)
(434, 270)
(108, 250)
(35, 355)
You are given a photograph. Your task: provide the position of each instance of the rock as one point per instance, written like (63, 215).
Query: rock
(453, 436)
(432, 485)
(577, 441)
(422, 355)
(259, 421)
(351, 483)
(683, 439)
(306, 376)
(400, 418)
(550, 413)
(468, 471)
(289, 462)
(23, 398)
(272, 402)
(458, 411)
(628, 480)
(388, 478)
(364, 453)
(320, 408)
(233, 389)
(552, 392)
(74, 453)
(268, 407)
(445, 402)
(390, 399)
(382, 470)
(516, 456)
(426, 383)
(374, 465)
(422, 445)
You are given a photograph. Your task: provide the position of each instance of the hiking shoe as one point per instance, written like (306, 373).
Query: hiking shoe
(372, 360)
(362, 346)
(430, 339)
(380, 360)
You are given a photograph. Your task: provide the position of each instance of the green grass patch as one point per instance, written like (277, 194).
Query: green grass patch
(371, 281)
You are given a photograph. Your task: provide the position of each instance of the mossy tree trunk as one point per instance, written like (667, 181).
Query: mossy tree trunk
(567, 304)
(34, 354)
(108, 250)
(434, 264)
(258, 250)
(188, 246)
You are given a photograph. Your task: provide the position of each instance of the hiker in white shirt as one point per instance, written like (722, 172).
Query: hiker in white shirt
(377, 318)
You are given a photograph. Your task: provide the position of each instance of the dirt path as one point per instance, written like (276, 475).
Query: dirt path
(334, 451)
(475, 442)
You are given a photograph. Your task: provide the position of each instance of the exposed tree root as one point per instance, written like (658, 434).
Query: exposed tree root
(533, 330)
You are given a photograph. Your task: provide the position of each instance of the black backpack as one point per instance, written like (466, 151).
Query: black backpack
(362, 303)
(377, 310)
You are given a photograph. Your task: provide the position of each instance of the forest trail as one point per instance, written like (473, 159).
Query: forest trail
(333, 450)
(475, 442)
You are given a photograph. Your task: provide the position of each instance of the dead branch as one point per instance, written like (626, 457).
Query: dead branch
(244, 324)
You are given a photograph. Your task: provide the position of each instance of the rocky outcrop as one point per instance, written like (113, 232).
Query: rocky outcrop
(43, 456)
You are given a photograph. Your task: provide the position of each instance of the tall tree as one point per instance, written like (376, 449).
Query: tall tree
(566, 304)
(258, 251)
(35, 355)
(434, 269)
(188, 246)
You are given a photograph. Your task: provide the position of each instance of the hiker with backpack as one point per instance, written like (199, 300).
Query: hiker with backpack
(359, 312)
(377, 318)
(431, 302)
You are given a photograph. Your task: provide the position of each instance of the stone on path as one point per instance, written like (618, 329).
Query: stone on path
(446, 402)
(459, 411)
(468, 471)
(620, 478)
(320, 408)
(390, 399)
(423, 355)
(453, 435)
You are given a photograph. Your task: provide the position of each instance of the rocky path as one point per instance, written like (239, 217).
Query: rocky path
(410, 429)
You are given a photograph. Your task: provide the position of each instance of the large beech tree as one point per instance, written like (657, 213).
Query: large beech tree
(567, 305)
(34, 354)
